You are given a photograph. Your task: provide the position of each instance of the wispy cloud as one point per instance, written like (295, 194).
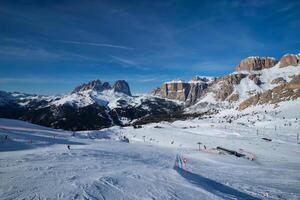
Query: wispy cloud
(125, 62)
(146, 78)
(139, 78)
(287, 7)
(97, 44)
(23, 52)
(39, 53)
(34, 80)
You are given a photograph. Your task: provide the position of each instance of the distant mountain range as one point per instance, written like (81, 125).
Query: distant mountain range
(256, 81)
(95, 105)
(92, 105)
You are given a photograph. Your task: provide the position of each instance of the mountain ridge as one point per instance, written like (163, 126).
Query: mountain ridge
(253, 75)
(97, 104)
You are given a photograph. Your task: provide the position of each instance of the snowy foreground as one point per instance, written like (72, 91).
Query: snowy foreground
(35, 162)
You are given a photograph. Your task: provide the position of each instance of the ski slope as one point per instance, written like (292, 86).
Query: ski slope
(36, 164)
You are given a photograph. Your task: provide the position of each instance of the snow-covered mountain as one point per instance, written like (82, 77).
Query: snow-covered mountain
(232, 137)
(257, 81)
(92, 105)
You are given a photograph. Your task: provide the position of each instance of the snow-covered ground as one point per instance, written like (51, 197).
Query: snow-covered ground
(35, 162)
(247, 87)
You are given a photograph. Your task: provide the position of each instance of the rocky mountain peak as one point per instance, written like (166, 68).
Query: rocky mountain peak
(290, 59)
(156, 92)
(196, 78)
(96, 85)
(255, 63)
(122, 86)
(199, 79)
(202, 80)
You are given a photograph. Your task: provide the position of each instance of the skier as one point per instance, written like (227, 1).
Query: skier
(69, 147)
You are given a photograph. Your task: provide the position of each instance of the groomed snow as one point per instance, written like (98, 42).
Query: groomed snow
(36, 164)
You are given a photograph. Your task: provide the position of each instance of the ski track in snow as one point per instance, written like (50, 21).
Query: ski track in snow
(36, 164)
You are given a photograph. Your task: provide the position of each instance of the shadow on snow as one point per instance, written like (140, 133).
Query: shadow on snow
(214, 187)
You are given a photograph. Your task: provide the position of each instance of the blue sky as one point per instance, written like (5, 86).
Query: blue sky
(49, 47)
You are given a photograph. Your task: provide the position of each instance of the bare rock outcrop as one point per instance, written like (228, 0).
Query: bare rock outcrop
(196, 91)
(96, 85)
(225, 85)
(201, 79)
(256, 63)
(233, 98)
(122, 86)
(156, 92)
(93, 85)
(223, 88)
(295, 83)
(189, 92)
(284, 92)
(255, 79)
(278, 80)
(290, 59)
(177, 90)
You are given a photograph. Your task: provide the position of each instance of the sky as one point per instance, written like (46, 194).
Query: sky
(51, 46)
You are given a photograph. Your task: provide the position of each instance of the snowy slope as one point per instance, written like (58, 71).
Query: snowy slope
(247, 87)
(104, 98)
(98, 166)
(107, 98)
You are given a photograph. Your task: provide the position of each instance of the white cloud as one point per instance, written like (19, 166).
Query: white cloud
(98, 44)
(37, 53)
(34, 80)
(127, 62)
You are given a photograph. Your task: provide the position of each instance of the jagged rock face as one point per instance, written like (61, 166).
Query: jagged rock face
(225, 85)
(156, 92)
(278, 80)
(295, 83)
(175, 90)
(196, 91)
(290, 59)
(122, 86)
(189, 92)
(192, 91)
(233, 98)
(256, 63)
(198, 78)
(255, 79)
(93, 85)
(232, 78)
